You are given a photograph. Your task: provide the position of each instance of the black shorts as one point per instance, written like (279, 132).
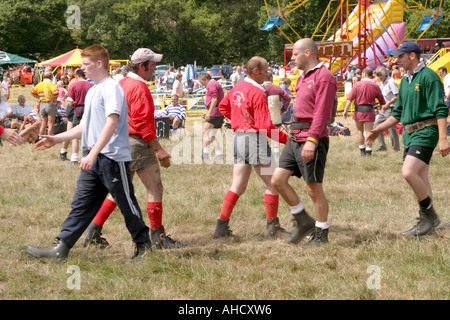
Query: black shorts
(311, 171)
(217, 122)
(78, 114)
(69, 113)
(421, 153)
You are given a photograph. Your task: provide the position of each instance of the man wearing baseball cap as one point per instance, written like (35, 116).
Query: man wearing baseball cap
(145, 150)
(421, 109)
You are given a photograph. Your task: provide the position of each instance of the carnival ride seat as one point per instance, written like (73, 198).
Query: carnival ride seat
(426, 21)
(272, 22)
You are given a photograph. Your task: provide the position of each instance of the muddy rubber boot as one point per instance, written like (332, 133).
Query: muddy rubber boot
(63, 156)
(318, 237)
(93, 236)
(140, 251)
(58, 252)
(273, 228)
(161, 240)
(304, 224)
(427, 222)
(222, 230)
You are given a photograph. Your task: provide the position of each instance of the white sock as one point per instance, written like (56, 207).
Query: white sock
(363, 147)
(63, 150)
(368, 149)
(74, 157)
(297, 209)
(322, 225)
(218, 152)
(206, 150)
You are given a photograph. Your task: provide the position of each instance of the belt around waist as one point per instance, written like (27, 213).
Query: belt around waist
(413, 127)
(300, 125)
(364, 108)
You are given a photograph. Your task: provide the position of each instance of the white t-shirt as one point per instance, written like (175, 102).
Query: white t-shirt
(177, 88)
(5, 87)
(118, 77)
(237, 77)
(5, 108)
(18, 110)
(103, 99)
(389, 89)
(447, 84)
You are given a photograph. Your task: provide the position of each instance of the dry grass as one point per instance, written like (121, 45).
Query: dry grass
(369, 205)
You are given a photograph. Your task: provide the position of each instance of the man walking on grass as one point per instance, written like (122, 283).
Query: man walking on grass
(105, 163)
(146, 152)
(365, 94)
(305, 153)
(247, 108)
(421, 109)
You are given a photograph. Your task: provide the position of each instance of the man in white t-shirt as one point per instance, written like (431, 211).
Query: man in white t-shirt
(237, 76)
(446, 80)
(105, 164)
(20, 110)
(5, 113)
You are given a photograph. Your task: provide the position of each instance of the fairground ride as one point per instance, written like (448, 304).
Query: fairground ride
(358, 33)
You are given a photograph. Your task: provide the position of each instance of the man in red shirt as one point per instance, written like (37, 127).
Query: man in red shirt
(213, 118)
(364, 93)
(246, 106)
(145, 151)
(305, 153)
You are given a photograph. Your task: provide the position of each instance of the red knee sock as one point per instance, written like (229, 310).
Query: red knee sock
(154, 212)
(105, 211)
(229, 201)
(271, 205)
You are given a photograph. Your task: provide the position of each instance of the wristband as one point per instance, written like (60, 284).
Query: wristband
(312, 140)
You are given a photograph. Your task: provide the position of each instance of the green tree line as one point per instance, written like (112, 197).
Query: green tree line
(206, 31)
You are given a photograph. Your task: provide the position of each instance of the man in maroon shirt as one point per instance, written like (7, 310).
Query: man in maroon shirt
(305, 153)
(75, 97)
(213, 118)
(276, 95)
(364, 93)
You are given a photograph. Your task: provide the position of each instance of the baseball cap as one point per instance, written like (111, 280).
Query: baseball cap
(406, 47)
(145, 54)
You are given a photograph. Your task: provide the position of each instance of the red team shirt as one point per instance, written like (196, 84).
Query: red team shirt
(141, 119)
(247, 108)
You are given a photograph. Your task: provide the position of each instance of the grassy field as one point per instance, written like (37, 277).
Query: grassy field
(366, 259)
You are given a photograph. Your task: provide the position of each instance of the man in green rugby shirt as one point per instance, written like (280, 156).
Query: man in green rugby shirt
(421, 109)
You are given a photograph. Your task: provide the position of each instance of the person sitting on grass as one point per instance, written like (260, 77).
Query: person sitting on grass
(29, 129)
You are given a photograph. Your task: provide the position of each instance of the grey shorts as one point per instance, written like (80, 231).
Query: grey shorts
(141, 153)
(47, 109)
(311, 171)
(251, 148)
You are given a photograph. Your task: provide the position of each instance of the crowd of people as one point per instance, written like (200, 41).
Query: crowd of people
(115, 121)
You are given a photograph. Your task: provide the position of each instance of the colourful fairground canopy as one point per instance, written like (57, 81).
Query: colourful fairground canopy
(72, 59)
(69, 59)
